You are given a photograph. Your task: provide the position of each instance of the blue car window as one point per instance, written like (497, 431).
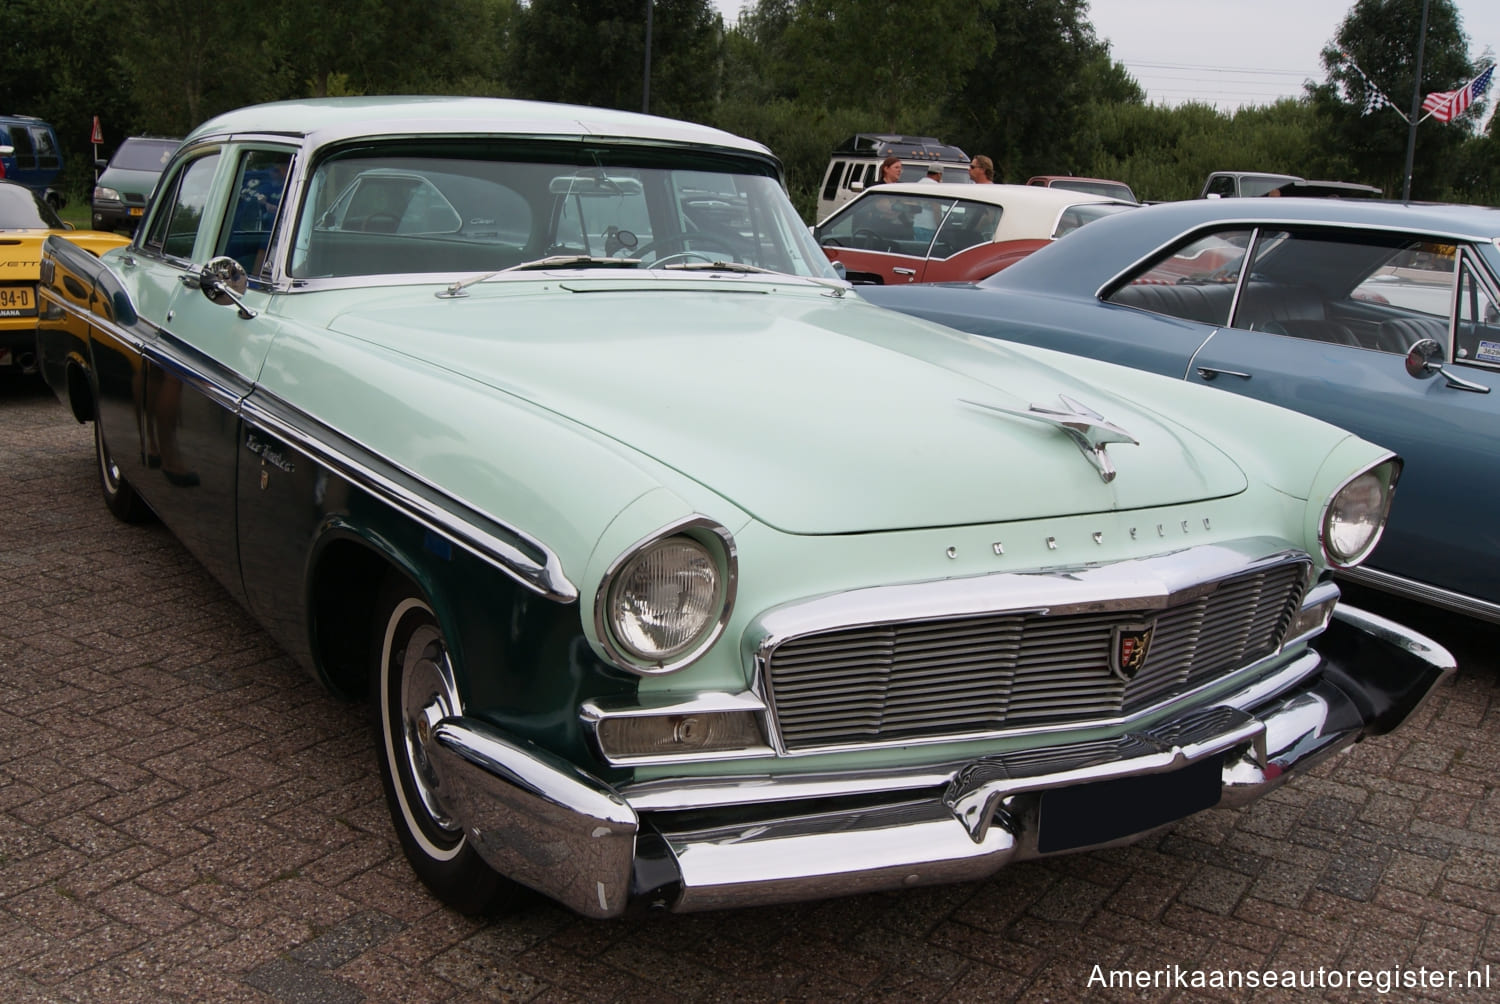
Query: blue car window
(1195, 282)
(1478, 329)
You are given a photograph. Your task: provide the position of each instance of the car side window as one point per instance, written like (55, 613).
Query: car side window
(966, 224)
(1477, 336)
(1366, 290)
(1222, 186)
(835, 174)
(174, 227)
(1195, 282)
(45, 143)
(258, 185)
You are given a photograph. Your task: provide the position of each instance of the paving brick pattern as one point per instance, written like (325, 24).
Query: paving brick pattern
(185, 816)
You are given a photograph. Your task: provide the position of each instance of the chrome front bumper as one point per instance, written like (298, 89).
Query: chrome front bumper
(730, 842)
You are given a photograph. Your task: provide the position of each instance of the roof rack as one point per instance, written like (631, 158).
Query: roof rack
(879, 144)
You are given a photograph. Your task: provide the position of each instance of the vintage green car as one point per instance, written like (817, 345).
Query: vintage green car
(674, 573)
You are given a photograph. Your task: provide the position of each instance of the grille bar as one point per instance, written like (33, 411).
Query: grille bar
(927, 679)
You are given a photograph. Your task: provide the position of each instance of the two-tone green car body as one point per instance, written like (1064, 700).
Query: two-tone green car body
(674, 573)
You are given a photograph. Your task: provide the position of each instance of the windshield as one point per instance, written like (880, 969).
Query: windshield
(20, 209)
(144, 154)
(452, 207)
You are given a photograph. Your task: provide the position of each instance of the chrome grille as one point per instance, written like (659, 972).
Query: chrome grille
(931, 678)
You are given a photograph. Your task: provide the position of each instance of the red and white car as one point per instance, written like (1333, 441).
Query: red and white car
(936, 232)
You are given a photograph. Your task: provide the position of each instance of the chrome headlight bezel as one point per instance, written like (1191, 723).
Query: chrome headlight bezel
(1379, 478)
(717, 544)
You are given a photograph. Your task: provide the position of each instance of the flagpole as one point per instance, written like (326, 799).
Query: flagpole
(1416, 107)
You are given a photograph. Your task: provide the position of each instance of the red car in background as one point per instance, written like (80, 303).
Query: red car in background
(936, 232)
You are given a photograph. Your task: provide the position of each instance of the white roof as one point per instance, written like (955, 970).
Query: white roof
(1027, 210)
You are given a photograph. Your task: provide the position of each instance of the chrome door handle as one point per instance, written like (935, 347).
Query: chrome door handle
(1209, 373)
(905, 271)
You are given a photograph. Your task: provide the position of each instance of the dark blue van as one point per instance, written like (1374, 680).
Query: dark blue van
(29, 154)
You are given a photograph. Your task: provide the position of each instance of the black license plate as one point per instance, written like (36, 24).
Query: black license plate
(1101, 811)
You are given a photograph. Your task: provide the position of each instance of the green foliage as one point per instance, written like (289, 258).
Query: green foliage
(1025, 81)
(594, 52)
(1380, 37)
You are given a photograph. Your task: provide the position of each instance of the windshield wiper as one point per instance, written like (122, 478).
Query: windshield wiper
(836, 286)
(722, 266)
(551, 261)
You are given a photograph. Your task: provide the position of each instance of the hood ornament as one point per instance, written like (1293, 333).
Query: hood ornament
(1086, 427)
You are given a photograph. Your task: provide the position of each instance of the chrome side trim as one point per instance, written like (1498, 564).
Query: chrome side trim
(1447, 599)
(536, 818)
(522, 557)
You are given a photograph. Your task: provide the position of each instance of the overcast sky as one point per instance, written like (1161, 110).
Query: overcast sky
(1229, 53)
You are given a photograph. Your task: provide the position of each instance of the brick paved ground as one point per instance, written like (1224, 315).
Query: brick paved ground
(184, 816)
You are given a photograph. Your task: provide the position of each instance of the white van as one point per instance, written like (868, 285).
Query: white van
(856, 163)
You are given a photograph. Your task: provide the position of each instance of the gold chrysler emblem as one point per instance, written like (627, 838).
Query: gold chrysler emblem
(1128, 649)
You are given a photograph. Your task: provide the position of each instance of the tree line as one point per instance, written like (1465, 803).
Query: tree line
(1027, 82)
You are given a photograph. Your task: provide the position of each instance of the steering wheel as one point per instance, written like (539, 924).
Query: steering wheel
(382, 223)
(873, 241)
(681, 242)
(685, 255)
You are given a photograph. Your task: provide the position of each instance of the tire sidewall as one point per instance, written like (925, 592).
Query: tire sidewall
(451, 868)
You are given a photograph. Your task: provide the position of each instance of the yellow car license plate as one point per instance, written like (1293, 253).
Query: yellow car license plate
(17, 301)
(136, 210)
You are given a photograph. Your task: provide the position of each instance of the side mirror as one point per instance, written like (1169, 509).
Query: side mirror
(224, 281)
(101, 163)
(1425, 360)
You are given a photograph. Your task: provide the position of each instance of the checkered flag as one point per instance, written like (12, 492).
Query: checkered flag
(1374, 97)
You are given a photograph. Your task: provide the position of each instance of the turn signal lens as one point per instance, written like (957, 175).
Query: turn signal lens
(666, 735)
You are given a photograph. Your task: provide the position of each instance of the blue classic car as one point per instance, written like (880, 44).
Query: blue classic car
(674, 573)
(1378, 317)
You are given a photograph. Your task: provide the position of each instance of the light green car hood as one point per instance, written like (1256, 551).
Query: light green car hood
(814, 413)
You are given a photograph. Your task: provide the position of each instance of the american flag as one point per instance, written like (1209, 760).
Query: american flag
(1445, 106)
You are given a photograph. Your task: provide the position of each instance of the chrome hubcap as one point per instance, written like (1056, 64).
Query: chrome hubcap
(426, 699)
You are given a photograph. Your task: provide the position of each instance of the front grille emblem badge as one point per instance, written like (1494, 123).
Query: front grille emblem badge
(1128, 646)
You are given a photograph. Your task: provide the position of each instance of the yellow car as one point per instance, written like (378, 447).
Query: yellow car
(25, 222)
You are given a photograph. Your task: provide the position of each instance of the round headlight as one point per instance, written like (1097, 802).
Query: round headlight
(1355, 517)
(665, 598)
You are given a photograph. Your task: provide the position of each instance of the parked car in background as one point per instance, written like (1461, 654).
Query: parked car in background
(855, 165)
(1242, 184)
(942, 233)
(127, 179)
(1375, 316)
(675, 573)
(1327, 190)
(25, 222)
(1094, 186)
(1237, 184)
(30, 156)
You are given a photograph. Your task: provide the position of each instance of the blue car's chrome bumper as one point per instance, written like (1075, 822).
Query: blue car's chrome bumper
(755, 840)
